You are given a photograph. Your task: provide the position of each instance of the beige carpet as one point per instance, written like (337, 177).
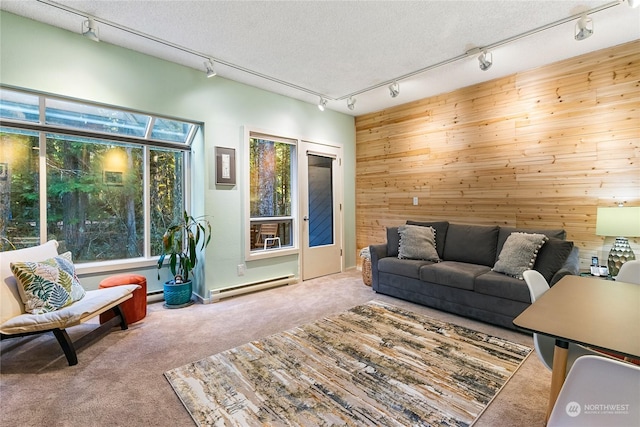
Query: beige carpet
(119, 379)
(373, 365)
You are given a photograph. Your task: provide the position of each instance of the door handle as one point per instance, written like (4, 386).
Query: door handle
(305, 218)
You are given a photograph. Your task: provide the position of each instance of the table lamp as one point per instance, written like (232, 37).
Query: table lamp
(621, 222)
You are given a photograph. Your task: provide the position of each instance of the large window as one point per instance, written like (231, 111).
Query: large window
(105, 183)
(94, 198)
(271, 172)
(19, 189)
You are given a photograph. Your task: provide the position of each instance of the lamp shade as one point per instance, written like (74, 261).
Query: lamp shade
(618, 222)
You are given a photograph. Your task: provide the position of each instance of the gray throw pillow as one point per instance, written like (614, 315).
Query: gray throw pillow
(417, 242)
(519, 254)
(505, 232)
(441, 232)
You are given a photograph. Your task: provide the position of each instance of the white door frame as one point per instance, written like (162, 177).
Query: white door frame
(308, 268)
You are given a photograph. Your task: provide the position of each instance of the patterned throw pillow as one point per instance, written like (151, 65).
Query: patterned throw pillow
(47, 285)
(417, 242)
(519, 253)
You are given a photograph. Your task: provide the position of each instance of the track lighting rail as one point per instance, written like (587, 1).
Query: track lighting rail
(350, 96)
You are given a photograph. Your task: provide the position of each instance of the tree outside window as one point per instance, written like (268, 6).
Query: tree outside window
(271, 190)
(97, 196)
(19, 190)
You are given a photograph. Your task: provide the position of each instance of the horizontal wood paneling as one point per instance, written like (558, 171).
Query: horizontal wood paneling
(538, 149)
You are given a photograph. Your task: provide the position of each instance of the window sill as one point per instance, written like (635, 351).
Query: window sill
(114, 265)
(271, 253)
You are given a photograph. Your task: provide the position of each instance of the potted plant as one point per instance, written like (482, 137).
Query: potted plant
(181, 242)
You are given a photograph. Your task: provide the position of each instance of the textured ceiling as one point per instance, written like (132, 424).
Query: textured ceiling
(342, 48)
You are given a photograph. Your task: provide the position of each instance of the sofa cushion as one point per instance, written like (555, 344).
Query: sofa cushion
(441, 228)
(417, 243)
(402, 267)
(505, 232)
(47, 285)
(502, 286)
(474, 244)
(393, 241)
(94, 303)
(451, 273)
(519, 253)
(552, 256)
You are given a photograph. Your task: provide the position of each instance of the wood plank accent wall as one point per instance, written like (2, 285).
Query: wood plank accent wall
(539, 149)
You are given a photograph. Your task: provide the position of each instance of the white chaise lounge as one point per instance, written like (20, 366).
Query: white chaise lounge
(16, 322)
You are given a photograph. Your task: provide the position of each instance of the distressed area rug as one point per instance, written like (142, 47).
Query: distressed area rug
(373, 365)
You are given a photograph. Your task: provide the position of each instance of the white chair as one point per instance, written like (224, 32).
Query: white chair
(629, 272)
(268, 235)
(544, 344)
(16, 322)
(598, 391)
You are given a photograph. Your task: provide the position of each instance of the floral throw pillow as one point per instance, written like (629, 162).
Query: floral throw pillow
(47, 285)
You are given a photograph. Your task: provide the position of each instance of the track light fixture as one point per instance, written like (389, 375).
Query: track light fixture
(486, 60)
(633, 3)
(208, 65)
(394, 89)
(351, 103)
(584, 28)
(90, 29)
(322, 104)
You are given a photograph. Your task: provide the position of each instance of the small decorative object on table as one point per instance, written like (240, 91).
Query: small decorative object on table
(366, 265)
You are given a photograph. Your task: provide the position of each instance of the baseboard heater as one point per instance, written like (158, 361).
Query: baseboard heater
(218, 294)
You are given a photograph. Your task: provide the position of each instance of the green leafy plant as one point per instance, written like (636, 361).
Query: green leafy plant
(180, 242)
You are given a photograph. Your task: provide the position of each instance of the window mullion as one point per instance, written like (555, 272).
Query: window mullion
(149, 129)
(42, 173)
(146, 197)
(42, 182)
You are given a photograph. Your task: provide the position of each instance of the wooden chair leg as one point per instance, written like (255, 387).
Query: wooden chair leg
(117, 311)
(70, 347)
(67, 346)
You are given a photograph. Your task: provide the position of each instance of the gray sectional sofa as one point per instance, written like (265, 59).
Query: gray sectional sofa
(462, 281)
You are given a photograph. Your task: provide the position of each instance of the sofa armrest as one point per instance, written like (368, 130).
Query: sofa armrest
(571, 266)
(377, 252)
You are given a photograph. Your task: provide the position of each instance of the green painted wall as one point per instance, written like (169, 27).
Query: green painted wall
(45, 58)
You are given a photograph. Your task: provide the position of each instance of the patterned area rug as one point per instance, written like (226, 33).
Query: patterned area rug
(374, 365)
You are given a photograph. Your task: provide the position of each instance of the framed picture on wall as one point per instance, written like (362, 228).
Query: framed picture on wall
(225, 166)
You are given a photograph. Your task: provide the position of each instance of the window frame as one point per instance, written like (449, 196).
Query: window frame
(249, 254)
(146, 143)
